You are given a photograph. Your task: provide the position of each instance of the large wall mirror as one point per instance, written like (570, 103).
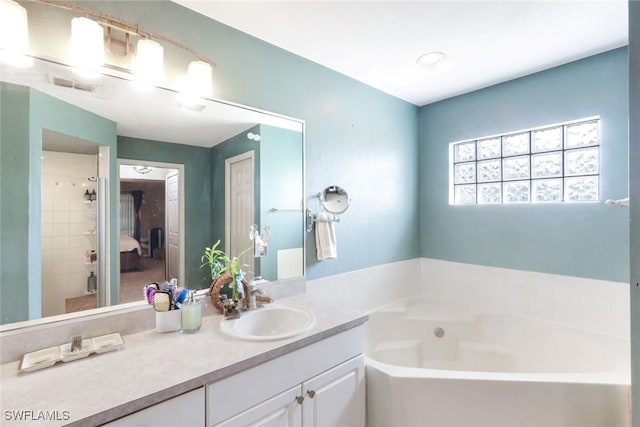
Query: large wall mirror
(106, 187)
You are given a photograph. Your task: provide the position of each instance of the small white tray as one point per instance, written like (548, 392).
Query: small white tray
(50, 356)
(67, 356)
(40, 359)
(107, 343)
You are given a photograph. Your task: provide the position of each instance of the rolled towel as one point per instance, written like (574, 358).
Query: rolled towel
(325, 236)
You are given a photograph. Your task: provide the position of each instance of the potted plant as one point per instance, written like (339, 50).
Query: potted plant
(228, 285)
(215, 260)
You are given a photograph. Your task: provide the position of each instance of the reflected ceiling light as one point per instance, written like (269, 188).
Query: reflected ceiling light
(196, 84)
(142, 169)
(148, 66)
(190, 103)
(430, 59)
(14, 34)
(253, 136)
(199, 79)
(87, 43)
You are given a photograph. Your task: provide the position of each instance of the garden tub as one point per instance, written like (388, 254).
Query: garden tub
(444, 365)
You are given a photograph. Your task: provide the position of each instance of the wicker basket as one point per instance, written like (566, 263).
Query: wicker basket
(221, 281)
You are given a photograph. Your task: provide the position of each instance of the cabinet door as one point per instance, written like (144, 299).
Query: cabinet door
(186, 410)
(282, 410)
(336, 397)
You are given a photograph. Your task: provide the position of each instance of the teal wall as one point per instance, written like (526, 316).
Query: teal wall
(582, 239)
(356, 137)
(281, 157)
(14, 202)
(197, 185)
(24, 113)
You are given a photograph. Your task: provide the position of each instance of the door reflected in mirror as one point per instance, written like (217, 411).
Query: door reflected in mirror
(151, 244)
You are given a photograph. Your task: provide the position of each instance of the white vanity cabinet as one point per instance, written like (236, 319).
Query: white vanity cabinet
(336, 397)
(320, 385)
(185, 410)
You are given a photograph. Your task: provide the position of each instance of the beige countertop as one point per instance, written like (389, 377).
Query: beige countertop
(151, 368)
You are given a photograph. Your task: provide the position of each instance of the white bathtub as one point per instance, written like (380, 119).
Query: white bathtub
(490, 370)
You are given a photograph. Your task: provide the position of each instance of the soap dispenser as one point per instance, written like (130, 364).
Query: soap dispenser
(92, 283)
(191, 312)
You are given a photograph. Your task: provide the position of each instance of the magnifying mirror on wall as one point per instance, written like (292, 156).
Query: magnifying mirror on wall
(334, 199)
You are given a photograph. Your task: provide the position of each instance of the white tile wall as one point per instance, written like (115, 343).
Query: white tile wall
(64, 220)
(596, 305)
(369, 288)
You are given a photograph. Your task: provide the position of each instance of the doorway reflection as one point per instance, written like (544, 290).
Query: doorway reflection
(144, 221)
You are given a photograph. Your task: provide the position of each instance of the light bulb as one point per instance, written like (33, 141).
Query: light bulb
(14, 34)
(148, 66)
(87, 43)
(199, 79)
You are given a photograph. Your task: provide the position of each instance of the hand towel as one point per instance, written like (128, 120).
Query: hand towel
(325, 236)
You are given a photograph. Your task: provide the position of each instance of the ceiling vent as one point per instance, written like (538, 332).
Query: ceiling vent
(72, 84)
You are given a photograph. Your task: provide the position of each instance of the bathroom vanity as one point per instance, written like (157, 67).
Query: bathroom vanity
(206, 378)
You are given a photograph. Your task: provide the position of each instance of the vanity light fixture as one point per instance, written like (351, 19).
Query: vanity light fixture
(142, 170)
(14, 34)
(195, 85)
(148, 66)
(87, 44)
(431, 59)
(91, 51)
(199, 79)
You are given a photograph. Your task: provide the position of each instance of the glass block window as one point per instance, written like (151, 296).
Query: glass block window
(558, 163)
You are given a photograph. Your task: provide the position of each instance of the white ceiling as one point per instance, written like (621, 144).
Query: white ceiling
(378, 42)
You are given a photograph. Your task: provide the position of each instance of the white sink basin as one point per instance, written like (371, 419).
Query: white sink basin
(272, 322)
